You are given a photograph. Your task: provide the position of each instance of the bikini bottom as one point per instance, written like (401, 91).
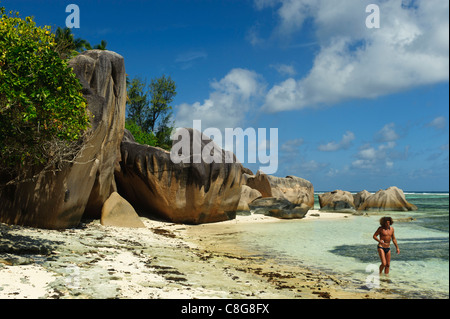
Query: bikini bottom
(386, 250)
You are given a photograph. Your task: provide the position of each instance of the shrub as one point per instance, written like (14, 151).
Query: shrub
(139, 135)
(42, 110)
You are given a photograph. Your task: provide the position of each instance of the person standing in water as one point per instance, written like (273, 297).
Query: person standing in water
(386, 234)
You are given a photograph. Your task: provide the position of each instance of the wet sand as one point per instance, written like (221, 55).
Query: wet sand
(163, 260)
(290, 281)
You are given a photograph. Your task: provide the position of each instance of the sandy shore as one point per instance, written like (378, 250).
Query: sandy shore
(163, 260)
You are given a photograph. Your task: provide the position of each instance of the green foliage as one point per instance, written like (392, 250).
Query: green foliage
(149, 107)
(137, 103)
(101, 46)
(67, 46)
(162, 92)
(40, 96)
(146, 138)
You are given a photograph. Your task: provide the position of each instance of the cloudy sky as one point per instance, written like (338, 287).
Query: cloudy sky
(355, 107)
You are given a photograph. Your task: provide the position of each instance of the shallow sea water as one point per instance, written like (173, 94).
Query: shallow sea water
(346, 247)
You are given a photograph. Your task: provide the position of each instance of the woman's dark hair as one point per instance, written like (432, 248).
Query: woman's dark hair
(383, 220)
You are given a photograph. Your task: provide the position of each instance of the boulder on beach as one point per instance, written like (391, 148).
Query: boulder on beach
(116, 211)
(265, 204)
(283, 197)
(259, 182)
(102, 74)
(192, 191)
(391, 199)
(295, 189)
(298, 212)
(360, 198)
(58, 199)
(248, 195)
(278, 207)
(338, 201)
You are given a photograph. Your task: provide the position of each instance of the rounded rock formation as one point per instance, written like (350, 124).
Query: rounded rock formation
(248, 195)
(337, 200)
(189, 192)
(391, 199)
(360, 198)
(278, 207)
(295, 189)
(116, 211)
(57, 199)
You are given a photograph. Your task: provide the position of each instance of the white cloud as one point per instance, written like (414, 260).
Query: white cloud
(292, 146)
(410, 49)
(438, 123)
(345, 143)
(190, 56)
(253, 36)
(311, 167)
(284, 69)
(291, 13)
(333, 172)
(187, 59)
(370, 157)
(239, 83)
(387, 134)
(232, 97)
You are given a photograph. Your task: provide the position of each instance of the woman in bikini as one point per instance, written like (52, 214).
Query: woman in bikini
(386, 233)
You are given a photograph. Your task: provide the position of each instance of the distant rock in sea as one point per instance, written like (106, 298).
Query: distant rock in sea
(391, 199)
(360, 198)
(338, 201)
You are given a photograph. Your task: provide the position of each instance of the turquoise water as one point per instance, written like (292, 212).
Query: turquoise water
(346, 247)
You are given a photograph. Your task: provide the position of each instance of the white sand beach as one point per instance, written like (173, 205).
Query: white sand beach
(162, 260)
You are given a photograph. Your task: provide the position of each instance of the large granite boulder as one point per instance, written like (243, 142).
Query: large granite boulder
(58, 199)
(287, 198)
(102, 74)
(189, 192)
(248, 195)
(116, 211)
(391, 199)
(360, 198)
(294, 189)
(259, 182)
(278, 207)
(298, 212)
(338, 200)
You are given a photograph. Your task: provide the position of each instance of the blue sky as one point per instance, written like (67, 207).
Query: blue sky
(356, 108)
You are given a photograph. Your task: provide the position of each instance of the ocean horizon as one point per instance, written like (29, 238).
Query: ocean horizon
(409, 192)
